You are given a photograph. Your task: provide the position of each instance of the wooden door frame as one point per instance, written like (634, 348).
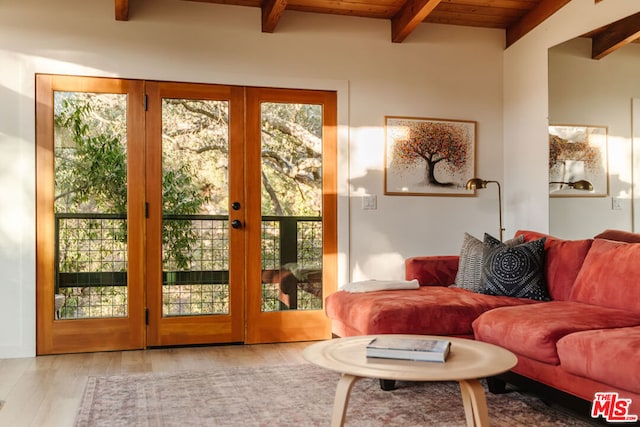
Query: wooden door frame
(131, 332)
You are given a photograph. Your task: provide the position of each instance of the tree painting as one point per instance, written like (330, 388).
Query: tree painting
(438, 153)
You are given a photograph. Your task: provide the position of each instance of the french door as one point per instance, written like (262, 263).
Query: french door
(195, 259)
(176, 214)
(293, 231)
(90, 278)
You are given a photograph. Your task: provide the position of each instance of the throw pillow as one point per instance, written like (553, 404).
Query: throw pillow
(516, 271)
(470, 262)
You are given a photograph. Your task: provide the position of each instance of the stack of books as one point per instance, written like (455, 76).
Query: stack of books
(426, 350)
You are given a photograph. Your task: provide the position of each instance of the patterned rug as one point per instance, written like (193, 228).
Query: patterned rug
(290, 395)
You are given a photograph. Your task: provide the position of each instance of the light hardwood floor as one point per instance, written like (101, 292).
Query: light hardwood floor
(46, 390)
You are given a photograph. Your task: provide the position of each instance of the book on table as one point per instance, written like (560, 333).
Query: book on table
(426, 350)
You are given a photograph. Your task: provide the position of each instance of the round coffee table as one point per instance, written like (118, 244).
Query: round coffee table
(468, 361)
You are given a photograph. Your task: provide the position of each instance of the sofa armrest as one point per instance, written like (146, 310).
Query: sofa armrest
(432, 270)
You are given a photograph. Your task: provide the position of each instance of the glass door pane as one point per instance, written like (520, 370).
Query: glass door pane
(195, 216)
(90, 205)
(291, 171)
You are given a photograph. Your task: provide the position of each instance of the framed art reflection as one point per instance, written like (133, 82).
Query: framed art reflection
(578, 153)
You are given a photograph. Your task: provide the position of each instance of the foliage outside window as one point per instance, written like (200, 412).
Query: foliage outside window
(91, 181)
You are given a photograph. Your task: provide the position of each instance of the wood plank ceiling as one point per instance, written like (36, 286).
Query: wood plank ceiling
(516, 17)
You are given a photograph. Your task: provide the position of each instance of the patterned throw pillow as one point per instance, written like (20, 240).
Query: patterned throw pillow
(516, 271)
(470, 262)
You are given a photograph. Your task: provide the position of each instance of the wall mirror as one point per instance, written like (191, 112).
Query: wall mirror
(595, 94)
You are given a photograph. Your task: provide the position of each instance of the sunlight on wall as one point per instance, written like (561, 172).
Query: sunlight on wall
(380, 262)
(620, 167)
(367, 146)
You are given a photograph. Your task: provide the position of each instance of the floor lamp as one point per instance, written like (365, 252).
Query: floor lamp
(477, 183)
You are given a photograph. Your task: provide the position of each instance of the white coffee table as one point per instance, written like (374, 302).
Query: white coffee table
(467, 362)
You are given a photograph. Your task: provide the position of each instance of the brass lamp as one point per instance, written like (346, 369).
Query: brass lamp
(477, 183)
(582, 184)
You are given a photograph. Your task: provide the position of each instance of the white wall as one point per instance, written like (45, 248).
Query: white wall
(526, 106)
(439, 71)
(597, 92)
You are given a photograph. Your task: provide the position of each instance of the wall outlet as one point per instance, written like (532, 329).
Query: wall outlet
(369, 202)
(616, 204)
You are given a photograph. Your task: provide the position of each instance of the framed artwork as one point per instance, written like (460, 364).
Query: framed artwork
(429, 157)
(578, 153)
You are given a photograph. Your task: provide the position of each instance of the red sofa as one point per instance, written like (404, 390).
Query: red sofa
(586, 339)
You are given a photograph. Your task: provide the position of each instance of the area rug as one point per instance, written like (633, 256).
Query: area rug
(290, 395)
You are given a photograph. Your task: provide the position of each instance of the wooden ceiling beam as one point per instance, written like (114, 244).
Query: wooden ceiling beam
(535, 17)
(409, 17)
(271, 13)
(122, 10)
(618, 34)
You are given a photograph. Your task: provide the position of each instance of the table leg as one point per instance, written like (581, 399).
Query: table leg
(475, 403)
(343, 390)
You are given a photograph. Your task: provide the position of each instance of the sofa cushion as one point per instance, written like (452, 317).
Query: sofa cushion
(619, 236)
(470, 264)
(516, 271)
(533, 330)
(430, 310)
(563, 261)
(610, 276)
(431, 270)
(597, 354)
(471, 260)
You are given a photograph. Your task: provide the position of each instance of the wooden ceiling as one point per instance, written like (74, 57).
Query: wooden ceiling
(516, 17)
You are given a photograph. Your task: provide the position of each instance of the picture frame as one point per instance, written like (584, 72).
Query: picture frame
(578, 152)
(429, 156)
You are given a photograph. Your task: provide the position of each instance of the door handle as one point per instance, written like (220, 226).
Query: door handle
(236, 223)
(235, 206)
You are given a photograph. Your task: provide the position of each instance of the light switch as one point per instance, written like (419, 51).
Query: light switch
(369, 202)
